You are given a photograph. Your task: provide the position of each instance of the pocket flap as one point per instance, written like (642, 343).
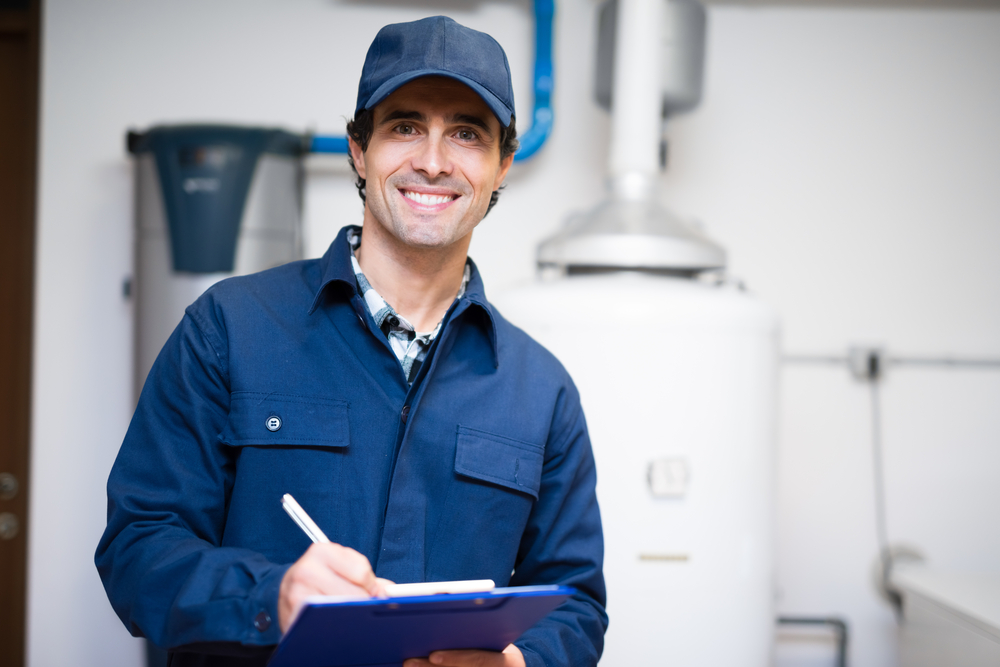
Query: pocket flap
(257, 418)
(500, 460)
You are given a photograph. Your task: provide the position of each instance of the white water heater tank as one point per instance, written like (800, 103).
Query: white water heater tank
(678, 381)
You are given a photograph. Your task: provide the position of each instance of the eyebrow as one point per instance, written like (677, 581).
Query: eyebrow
(400, 114)
(467, 119)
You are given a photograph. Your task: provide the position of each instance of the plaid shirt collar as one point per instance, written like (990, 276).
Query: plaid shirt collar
(409, 345)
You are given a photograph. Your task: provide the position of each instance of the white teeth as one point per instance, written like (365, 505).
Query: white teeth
(426, 200)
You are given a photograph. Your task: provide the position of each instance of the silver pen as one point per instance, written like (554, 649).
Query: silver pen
(300, 517)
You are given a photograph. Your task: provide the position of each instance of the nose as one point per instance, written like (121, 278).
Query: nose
(432, 156)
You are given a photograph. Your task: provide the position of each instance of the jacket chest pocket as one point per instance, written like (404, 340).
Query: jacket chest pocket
(497, 481)
(499, 460)
(281, 444)
(261, 419)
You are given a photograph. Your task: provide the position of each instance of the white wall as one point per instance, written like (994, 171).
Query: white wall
(847, 158)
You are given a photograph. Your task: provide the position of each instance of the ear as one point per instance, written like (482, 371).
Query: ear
(502, 174)
(358, 156)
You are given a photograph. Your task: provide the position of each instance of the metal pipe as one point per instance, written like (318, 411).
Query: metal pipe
(953, 362)
(869, 364)
(635, 119)
(944, 361)
(813, 359)
(839, 627)
(536, 135)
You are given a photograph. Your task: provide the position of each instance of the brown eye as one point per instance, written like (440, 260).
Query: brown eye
(466, 135)
(405, 129)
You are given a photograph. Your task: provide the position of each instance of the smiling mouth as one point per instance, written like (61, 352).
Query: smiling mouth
(426, 199)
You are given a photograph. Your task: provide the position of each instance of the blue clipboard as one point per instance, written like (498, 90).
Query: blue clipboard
(380, 632)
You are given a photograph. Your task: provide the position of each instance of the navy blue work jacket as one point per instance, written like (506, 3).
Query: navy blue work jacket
(481, 468)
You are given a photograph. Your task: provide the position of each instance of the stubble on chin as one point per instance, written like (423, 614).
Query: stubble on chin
(430, 230)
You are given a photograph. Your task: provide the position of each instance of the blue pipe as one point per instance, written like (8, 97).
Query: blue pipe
(328, 145)
(541, 126)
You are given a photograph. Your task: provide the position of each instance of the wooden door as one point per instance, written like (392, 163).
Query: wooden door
(18, 147)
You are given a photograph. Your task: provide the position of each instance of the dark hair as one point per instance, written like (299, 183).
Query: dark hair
(361, 127)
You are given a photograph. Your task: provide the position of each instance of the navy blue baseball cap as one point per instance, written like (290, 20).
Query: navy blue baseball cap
(437, 46)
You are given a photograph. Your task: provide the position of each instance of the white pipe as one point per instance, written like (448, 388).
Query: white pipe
(637, 99)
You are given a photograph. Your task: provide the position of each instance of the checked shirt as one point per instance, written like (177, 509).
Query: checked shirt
(409, 345)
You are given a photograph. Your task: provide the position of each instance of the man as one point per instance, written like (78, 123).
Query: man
(428, 438)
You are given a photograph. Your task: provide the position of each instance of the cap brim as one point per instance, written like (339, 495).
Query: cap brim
(499, 109)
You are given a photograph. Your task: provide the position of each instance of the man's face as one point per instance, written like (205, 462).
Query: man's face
(432, 163)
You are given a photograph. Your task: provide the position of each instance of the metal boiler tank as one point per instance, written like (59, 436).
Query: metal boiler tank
(677, 375)
(212, 201)
(677, 379)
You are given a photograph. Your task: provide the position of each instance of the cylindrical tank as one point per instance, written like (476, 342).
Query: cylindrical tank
(212, 201)
(677, 378)
(676, 374)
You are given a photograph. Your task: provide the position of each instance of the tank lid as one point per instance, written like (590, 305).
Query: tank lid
(255, 139)
(629, 234)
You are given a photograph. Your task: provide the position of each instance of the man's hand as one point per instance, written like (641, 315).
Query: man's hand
(511, 657)
(325, 569)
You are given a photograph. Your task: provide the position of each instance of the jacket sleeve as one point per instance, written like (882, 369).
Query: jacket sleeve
(160, 558)
(563, 544)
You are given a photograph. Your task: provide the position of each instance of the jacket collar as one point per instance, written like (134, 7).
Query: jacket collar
(475, 297)
(338, 271)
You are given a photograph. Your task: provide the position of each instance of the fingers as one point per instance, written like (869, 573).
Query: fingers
(510, 657)
(324, 569)
(513, 657)
(347, 564)
(382, 583)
